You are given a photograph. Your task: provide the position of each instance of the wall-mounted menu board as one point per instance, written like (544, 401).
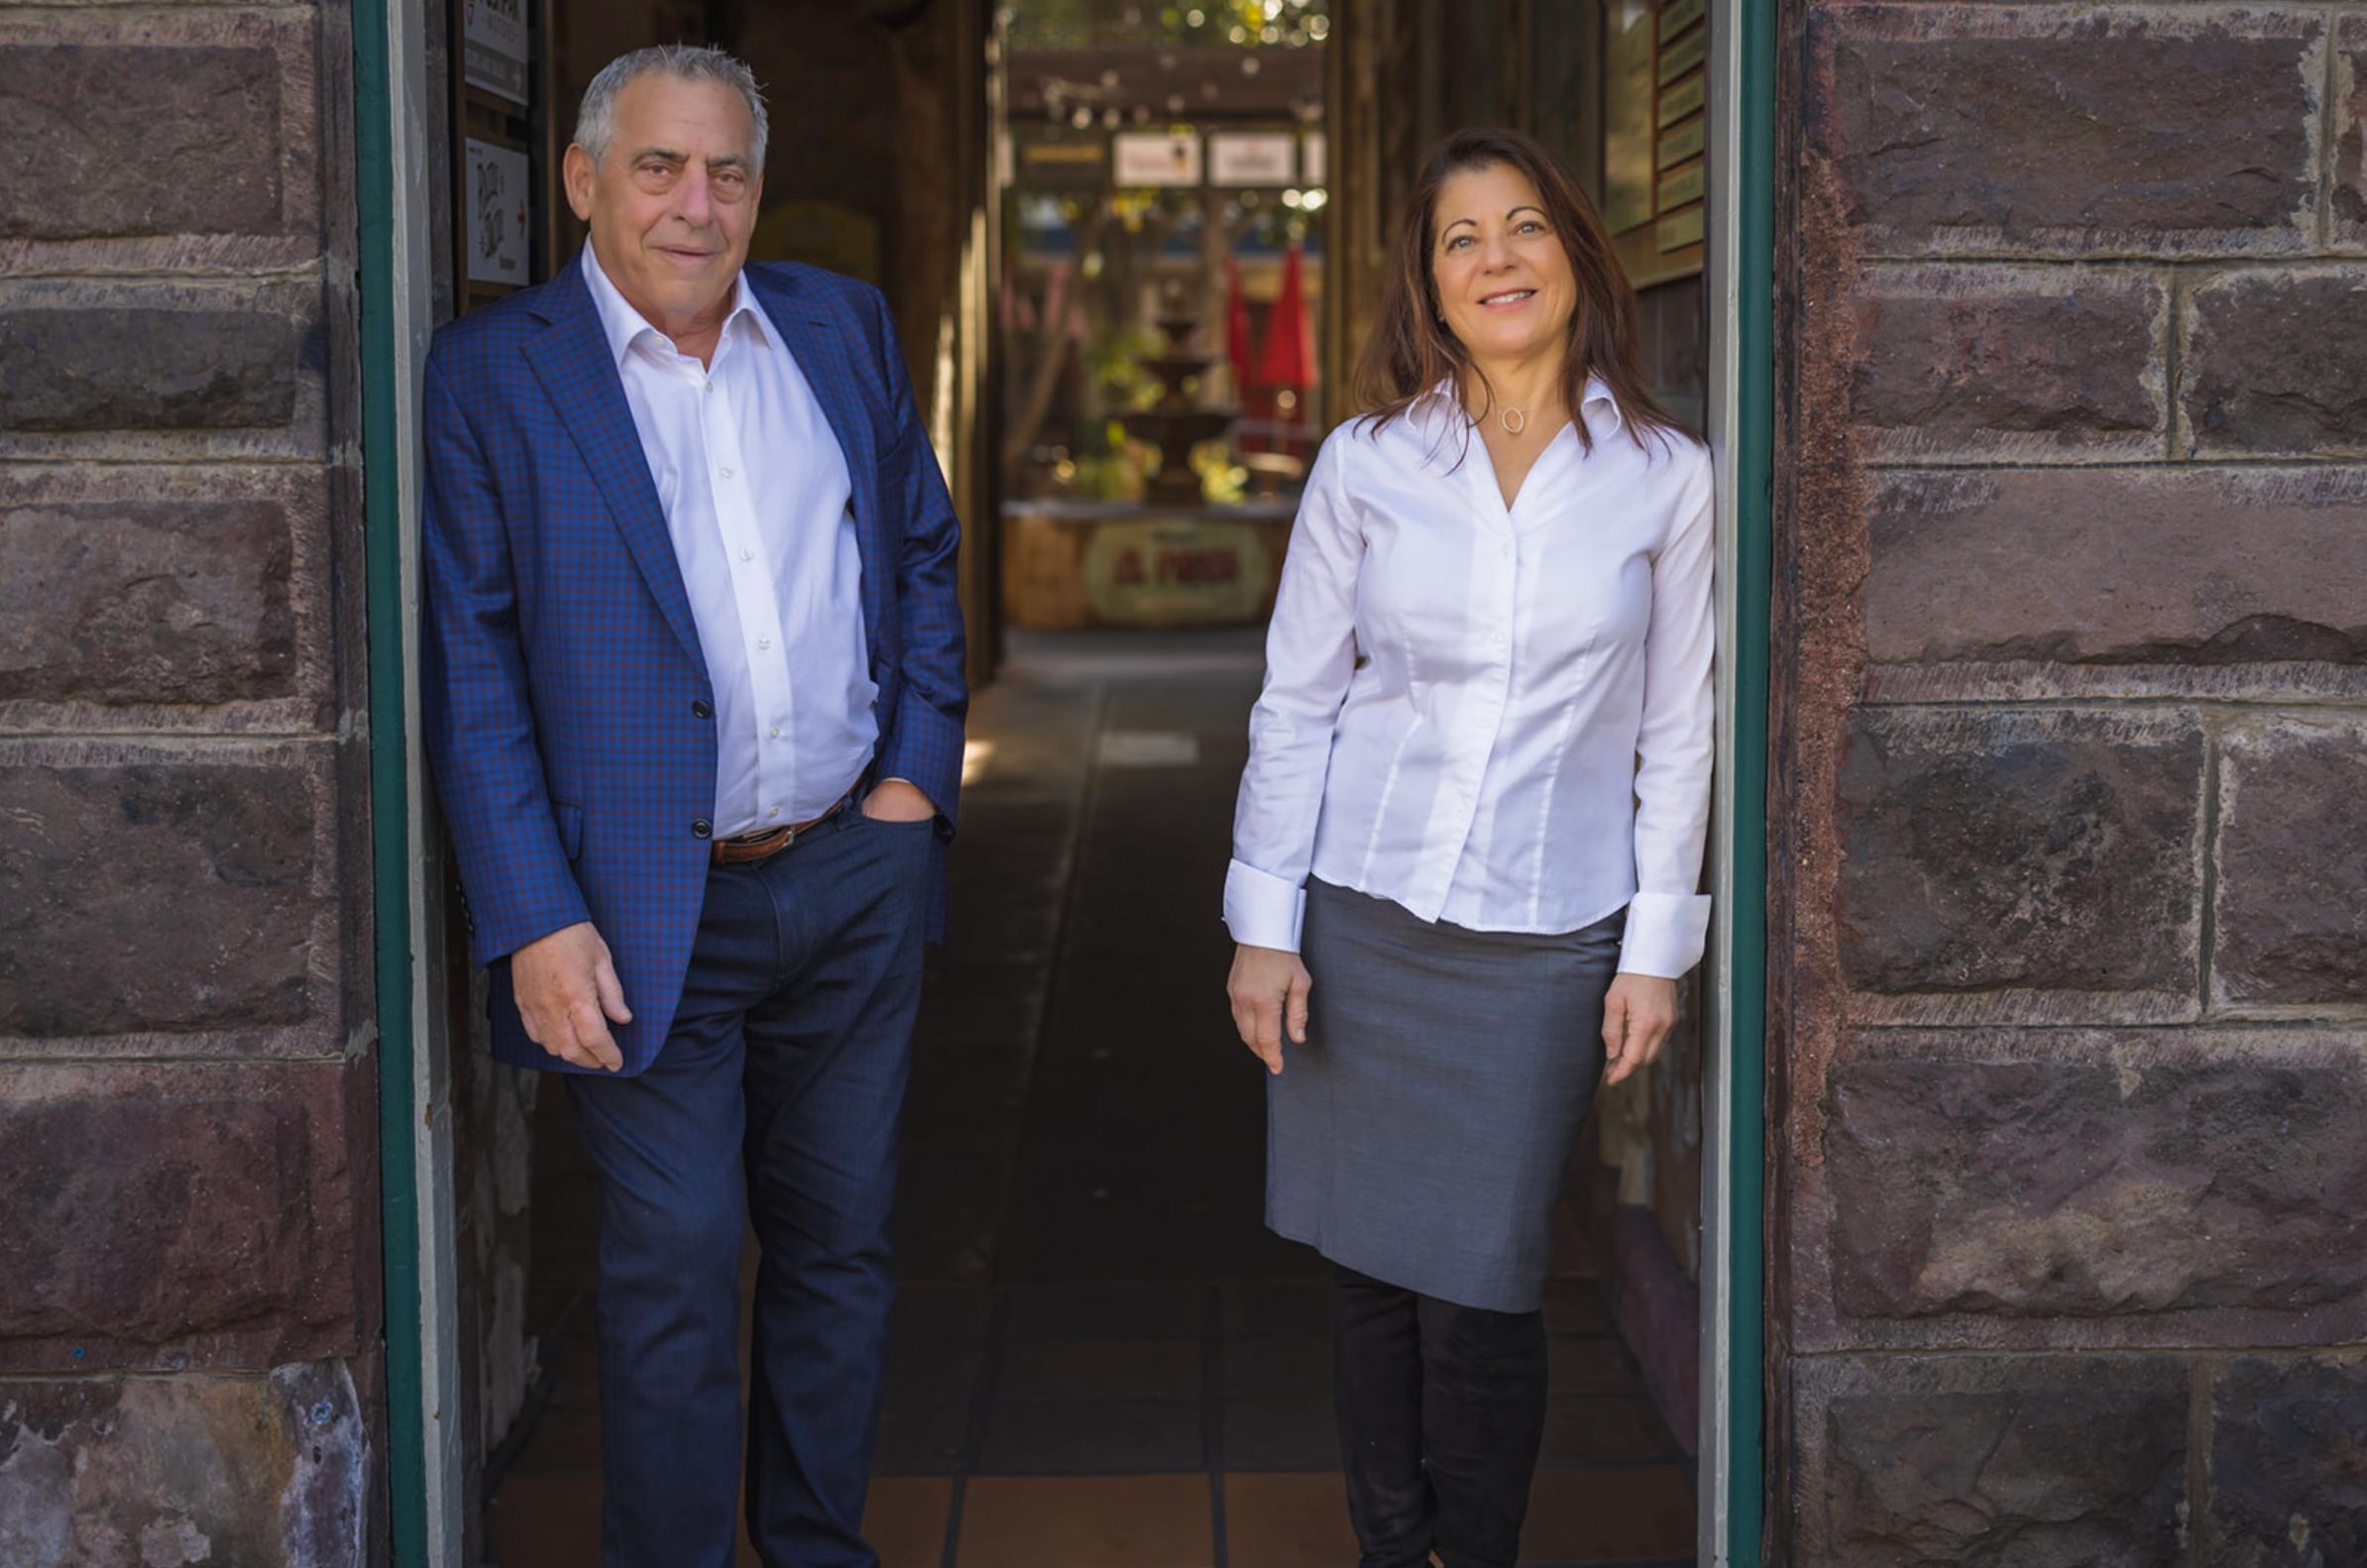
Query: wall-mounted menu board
(1655, 123)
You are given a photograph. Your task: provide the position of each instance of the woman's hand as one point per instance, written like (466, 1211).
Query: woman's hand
(1637, 1018)
(1268, 989)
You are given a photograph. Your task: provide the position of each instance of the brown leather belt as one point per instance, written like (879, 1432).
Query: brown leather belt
(741, 848)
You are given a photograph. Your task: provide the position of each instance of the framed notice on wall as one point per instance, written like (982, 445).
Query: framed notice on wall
(498, 208)
(494, 53)
(502, 159)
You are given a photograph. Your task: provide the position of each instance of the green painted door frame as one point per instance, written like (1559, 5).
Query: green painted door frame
(1742, 305)
(385, 79)
(375, 121)
(396, 168)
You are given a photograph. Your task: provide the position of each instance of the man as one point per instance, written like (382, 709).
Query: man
(693, 681)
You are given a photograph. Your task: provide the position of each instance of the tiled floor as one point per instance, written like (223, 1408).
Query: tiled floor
(1101, 1359)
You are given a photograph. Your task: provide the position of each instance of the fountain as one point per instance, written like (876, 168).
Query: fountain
(1172, 559)
(1176, 425)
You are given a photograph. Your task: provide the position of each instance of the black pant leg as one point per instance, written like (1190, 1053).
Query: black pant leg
(1483, 1423)
(1378, 1387)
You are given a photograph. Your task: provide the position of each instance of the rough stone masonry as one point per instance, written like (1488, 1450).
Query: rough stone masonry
(2069, 1034)
(2069, 1030)
(189, 1296)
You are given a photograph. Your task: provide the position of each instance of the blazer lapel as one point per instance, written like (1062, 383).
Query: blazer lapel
(820, 346)
(576, 369)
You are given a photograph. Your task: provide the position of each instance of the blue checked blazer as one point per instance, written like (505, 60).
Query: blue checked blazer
(559, 662)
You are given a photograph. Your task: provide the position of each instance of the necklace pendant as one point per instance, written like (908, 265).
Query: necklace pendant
(1512, 421)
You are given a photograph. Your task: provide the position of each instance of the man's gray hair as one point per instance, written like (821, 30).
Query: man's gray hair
(595, 121)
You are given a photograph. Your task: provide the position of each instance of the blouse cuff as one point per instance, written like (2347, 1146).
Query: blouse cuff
(1262, 910)
(1666, 934)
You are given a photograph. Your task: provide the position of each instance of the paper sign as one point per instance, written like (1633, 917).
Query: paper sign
(1156, 157)
(494, 45)
(1252, 157)
(496, 214)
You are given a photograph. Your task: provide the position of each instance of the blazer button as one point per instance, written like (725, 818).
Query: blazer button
(699, 708)
(702, 828)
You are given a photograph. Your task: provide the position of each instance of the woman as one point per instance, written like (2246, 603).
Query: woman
(1469, 838)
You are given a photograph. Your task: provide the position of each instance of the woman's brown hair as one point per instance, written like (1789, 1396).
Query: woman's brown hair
(1410, 350)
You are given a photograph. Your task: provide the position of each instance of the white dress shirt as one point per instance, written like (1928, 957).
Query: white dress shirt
(758, 499)
(1497, 718)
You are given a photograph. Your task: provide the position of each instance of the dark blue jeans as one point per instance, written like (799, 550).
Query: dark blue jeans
(773, 1105)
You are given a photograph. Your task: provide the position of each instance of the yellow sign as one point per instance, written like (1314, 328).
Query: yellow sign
(1182, 570)
(1685, 98)
(1681, 142)
(1683, 56)
(1680, 188)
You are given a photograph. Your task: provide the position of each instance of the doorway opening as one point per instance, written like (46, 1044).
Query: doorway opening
(1130, 272)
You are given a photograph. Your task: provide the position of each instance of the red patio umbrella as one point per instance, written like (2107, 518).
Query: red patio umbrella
(1236, 330)
(1289, 357)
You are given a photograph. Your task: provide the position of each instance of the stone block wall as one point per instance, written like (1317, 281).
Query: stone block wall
(189, 1298)
(2068, 914)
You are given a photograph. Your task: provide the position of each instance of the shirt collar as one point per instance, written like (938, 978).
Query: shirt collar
(622, 325)
(1598, 396)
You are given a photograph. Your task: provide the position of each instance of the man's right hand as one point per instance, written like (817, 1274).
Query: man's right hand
(568, 994)
(1268, 989)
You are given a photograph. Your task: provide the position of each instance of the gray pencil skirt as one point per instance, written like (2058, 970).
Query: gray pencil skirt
(1420, 1133)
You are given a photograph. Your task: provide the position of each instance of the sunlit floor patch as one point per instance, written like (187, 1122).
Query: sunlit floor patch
(1149, 748)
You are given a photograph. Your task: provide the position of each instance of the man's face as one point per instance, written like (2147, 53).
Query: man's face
(671, 205)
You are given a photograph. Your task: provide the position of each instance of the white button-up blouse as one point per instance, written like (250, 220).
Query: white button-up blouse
(1500, 717)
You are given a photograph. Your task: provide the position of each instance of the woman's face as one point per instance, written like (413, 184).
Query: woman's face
(1503, 278)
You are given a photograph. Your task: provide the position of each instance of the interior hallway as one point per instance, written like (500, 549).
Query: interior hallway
(1101, 1359)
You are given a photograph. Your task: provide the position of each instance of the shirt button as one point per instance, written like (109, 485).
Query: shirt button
(775, 731)
(727, 472)
(747, 555)
(702, 828)
(764, 642)
(700, 710)
(772, 811)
